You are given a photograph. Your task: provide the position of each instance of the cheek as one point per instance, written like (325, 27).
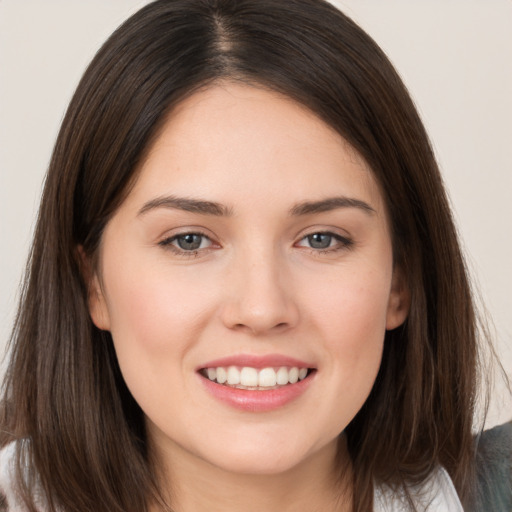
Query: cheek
(144, 297)
(352, 325)
(352, 309)
(154, 317)
(356, 338)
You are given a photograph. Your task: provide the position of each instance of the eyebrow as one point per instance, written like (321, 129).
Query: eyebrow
(188, 205)
(331, 203)
(219, 210)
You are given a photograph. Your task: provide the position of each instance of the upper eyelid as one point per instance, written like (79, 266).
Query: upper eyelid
(327, 230)
(187, 230)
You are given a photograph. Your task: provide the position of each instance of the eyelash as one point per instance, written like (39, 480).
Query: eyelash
(343, 244)
(167, 244)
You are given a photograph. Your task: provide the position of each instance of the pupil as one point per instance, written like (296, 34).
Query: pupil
(189, 242)
(320, 240)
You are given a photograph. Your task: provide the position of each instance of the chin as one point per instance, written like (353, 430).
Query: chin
(262, 465)
(270, 457)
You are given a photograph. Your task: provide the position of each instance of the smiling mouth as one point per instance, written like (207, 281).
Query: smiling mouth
(256, 379)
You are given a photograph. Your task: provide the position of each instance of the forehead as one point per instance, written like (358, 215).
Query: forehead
(233, 140)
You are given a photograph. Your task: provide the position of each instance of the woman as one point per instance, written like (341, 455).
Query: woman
(190, 337)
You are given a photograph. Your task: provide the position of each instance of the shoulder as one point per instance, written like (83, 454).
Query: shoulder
(494, 469)
(435, 494)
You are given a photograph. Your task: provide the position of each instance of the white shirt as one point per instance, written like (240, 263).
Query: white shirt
(436, 494)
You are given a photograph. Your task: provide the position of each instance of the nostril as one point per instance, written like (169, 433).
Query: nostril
(258, 315)
(257, 329)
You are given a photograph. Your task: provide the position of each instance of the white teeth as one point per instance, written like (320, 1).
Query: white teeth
(249, 377)
(233, 375)
(267, 378)
(293, 375)
(221, 375)
(282, 376)
(253, 378)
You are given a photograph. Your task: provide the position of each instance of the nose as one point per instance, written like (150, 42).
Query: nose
(259, 296)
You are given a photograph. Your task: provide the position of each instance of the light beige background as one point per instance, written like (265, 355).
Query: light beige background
(454, 55)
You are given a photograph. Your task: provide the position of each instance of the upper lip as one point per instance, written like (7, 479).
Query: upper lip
(257, 361)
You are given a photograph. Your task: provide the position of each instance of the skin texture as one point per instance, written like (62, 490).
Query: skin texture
(255, 286)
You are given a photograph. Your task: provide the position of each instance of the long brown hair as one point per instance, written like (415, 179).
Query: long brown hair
(84, 438)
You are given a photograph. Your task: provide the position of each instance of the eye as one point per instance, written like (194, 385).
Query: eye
(187, 242)
(320, 240)
(325, 242)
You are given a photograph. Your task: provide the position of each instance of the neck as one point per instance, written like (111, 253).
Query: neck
(321, 483)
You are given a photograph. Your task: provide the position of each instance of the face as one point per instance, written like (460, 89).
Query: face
(248, 282)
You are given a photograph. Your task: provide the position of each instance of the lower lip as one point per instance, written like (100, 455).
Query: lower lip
(257, 401)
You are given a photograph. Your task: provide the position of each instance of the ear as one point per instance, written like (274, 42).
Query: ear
(399, 301)
(95, 296)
